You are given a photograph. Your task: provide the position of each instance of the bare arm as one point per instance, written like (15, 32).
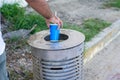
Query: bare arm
(42, 7)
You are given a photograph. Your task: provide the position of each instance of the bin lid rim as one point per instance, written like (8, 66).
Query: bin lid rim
(75, 38)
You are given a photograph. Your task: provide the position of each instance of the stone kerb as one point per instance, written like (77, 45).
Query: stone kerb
(101, 40)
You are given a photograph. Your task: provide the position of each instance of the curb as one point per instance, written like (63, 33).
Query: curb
(101, 40)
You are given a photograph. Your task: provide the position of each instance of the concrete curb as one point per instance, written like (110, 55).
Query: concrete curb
(101, 40)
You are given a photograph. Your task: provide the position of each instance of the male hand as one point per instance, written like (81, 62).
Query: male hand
(54, 20)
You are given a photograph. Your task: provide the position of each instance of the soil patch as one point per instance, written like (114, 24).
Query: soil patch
(75, 11)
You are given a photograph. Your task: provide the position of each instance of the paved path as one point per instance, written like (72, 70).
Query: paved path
(106, 64)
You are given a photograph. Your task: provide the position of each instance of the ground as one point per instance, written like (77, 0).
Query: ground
(19, 62)
(78, 10)
(106, 64)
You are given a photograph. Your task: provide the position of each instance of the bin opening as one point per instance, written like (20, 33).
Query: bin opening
(56, 68)
(61, 38)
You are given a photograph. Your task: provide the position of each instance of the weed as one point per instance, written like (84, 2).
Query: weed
(14, 75)
(12, 12)
(24, 75)
(113, 3)
(90, 27)
(19, 20)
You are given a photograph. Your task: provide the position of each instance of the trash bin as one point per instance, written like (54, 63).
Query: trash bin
(62, 60)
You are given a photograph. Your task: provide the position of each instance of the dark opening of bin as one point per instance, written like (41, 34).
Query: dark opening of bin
(61, 38)
(56, 68)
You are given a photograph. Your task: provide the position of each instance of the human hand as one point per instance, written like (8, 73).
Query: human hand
(54, 20)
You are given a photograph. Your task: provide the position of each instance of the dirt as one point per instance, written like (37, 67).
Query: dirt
(75, 11)
(106, 64)
(19, 60)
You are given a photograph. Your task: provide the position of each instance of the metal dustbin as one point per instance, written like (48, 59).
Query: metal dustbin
(57, 61)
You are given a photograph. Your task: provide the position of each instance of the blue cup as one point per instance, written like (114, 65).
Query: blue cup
(54, 32)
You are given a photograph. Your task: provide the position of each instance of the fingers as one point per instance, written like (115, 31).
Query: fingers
(54, 20)
(60, 23)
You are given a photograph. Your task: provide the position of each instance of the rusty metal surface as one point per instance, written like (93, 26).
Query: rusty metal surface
(75, 38)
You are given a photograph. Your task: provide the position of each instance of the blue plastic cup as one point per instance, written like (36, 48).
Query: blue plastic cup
(54, 32)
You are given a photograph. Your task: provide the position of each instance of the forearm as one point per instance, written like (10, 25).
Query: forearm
(41, 7)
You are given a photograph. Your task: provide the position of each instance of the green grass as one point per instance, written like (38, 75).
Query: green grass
(23, 75)
(113, 3)
(20, 20)
(90, 27)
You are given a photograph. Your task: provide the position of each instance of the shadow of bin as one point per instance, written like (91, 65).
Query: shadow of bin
(62, 60)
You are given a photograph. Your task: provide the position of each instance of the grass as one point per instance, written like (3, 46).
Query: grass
(90, 27)
(24, 75)
(113, 3)
(20, 20)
